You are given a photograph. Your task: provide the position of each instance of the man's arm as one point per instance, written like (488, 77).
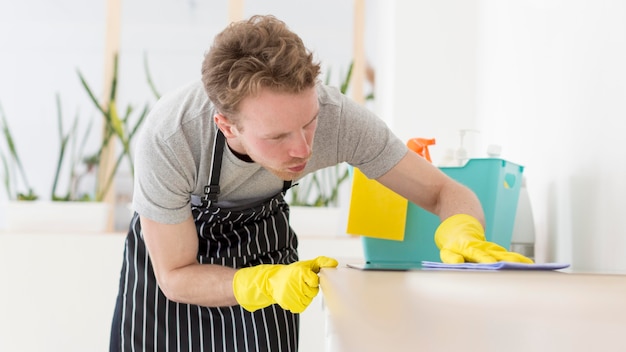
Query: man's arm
(173, 252)
(419, 181)
(461, 235)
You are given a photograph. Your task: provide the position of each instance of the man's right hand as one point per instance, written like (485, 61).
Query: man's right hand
(292, 286)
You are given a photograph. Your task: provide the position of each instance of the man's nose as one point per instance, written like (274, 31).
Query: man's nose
(301, 146)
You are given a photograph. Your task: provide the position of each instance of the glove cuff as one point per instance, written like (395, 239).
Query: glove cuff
(247, 290)
(458, 223)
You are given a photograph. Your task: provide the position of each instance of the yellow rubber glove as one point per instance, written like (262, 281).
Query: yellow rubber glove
(461, 238)
(292, 286)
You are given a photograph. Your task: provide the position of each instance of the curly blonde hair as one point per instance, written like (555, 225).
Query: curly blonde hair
(248, 55)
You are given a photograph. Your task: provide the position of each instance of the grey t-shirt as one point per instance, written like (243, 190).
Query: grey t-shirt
(174, 153)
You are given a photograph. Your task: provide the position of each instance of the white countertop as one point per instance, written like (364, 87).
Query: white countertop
(428, 310)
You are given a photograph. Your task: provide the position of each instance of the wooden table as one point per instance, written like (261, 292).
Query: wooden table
(428, 310)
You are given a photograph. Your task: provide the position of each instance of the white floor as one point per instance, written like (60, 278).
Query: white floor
(57, 292)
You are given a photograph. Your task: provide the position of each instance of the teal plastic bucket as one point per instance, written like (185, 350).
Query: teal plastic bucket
(497, 184)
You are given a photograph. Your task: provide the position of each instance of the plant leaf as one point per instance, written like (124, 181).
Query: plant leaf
(149, 77)
(115, 121)
(93, 98)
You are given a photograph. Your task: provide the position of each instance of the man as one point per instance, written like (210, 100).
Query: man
(210, 261)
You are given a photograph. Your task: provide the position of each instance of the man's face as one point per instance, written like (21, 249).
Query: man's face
(276, 130)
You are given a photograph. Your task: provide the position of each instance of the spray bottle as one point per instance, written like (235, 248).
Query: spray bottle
(523, 238)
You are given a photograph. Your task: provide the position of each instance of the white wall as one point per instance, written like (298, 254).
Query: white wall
(427, 62)
(546, 80)
(554, 71)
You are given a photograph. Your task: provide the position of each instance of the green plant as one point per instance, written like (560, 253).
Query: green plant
(321, 188)
(66, 140)
(117, 128)
(10, 162)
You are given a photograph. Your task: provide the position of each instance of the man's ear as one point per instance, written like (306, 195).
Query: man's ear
(225, 125)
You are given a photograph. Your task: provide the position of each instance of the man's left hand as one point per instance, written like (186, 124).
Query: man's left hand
(461, 238)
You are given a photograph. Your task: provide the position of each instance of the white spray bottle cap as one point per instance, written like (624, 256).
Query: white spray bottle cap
(494, 150)
(461, 153)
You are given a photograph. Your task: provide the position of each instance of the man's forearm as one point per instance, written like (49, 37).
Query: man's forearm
(458, 199)
(200, 284)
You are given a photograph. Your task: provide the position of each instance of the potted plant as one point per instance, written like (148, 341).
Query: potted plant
(87, 211)
(25, 211)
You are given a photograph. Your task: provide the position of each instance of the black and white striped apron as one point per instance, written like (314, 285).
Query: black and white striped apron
(145, 320)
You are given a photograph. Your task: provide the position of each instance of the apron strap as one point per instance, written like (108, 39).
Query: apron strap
(212, 190)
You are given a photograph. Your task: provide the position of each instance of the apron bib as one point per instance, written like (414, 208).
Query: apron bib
(145, 320)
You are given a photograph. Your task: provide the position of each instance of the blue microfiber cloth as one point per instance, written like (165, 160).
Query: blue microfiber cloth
(495, 266)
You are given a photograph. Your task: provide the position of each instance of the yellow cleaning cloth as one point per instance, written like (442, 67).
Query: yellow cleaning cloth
(375, 210)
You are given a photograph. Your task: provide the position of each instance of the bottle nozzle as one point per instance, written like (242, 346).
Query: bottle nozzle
(420, 146)
(461, 153)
